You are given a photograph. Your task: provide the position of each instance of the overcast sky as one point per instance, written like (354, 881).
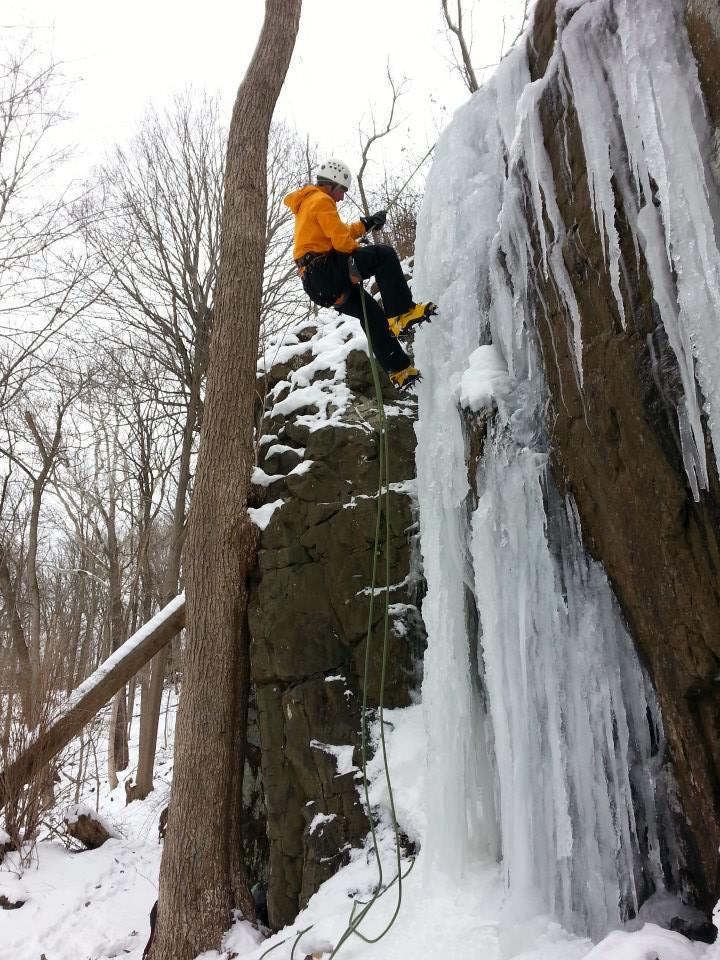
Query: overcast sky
(126, 56)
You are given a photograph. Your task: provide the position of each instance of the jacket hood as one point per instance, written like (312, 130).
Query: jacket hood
(295, 199)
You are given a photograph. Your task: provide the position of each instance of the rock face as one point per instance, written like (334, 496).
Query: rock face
(318, 463)
(615, 445)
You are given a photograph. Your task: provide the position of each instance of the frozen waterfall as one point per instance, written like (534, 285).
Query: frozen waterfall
(545, 743)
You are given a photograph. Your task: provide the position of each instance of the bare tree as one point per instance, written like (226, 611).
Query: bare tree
(157, 250)
(283, 300)
(39, 274)
(34, 452)
(457, 28)
(34, 445)
(205, 818)
(30, 109)
(152, 455)
(462, 32)
(153, 227)
(506, 45)
(397, 189)
(402, 199)
(97, 492)
(368, 140)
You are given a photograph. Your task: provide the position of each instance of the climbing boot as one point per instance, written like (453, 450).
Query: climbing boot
(405, 380)
(418, 313)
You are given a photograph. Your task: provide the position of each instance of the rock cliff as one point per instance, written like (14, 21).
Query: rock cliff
(316, 488)
(616, 445)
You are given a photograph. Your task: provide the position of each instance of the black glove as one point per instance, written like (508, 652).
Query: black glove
(376, 221)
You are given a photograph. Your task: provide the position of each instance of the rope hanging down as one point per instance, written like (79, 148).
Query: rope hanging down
(383, 499)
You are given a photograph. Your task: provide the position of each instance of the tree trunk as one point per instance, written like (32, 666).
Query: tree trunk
(17, 632)
(118, 751)
(152, 692)
(47, 454)
(238, 876)
(73, 640)
(199, 880)
(82, 664)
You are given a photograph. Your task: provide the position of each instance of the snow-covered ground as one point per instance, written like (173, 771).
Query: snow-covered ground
(95, 905)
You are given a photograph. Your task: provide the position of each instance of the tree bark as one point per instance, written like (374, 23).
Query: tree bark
(118, 751)
(199, 881)
(238, 876)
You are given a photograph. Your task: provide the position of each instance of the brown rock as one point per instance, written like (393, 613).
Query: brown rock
(87, 830)
(7, 904)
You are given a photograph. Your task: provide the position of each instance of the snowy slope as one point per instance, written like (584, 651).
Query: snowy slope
(94, 904)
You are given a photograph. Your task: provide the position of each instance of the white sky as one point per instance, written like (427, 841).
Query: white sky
(128, 55)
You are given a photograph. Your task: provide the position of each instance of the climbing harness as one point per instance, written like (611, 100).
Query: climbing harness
(383, 498)
(327, 277)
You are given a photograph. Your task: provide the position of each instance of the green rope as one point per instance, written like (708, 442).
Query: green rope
(294, 946)
(383, 497)
(297, 940)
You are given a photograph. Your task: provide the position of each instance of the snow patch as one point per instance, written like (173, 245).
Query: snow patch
(283, 448)
(343, 756)
(485, 382)
(76, 810)
(261, 516)
(319, 819)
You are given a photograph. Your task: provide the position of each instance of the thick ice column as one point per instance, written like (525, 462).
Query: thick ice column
(460, 781)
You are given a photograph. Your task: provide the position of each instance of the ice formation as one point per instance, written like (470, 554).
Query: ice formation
(544, 738)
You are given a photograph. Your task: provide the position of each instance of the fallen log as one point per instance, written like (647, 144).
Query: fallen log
(92, 694)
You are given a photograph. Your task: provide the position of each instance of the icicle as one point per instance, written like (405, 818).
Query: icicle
(568, 700)
(529, 168)
(596, 113)
(624, 64)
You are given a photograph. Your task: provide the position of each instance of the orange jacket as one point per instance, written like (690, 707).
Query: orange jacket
(318, 228)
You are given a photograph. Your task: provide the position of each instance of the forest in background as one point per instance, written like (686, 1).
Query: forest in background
(107, 291)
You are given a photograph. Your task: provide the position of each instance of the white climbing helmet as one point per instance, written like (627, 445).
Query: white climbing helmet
(336, 172)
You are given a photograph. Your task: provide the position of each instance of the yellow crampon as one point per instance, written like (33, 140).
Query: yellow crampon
(418, 313)
(405, 379)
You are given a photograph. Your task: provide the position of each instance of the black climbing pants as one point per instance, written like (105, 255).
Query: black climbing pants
(381, 262)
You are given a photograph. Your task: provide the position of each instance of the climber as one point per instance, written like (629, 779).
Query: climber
(332, 265)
